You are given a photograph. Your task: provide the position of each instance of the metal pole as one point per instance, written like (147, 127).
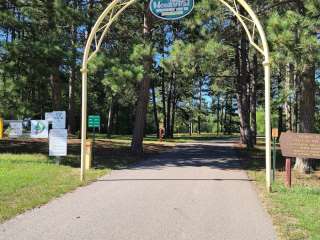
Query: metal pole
(268, 123)
(267, 74)
(83, 123)
(94, 139)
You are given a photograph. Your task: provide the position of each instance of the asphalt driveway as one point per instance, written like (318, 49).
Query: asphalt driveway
(195, 192)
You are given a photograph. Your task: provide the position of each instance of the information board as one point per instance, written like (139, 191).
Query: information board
(58, 142)
(57, 118)
(171, 9)
(94, 121)
(49, 117)
(15, 129)
(39, 129)
(302, 145)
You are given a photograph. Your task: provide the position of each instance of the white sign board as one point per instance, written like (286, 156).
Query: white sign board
(48, 117)
(15, 129)
(39, 129)
(57, 118)
(58, 139)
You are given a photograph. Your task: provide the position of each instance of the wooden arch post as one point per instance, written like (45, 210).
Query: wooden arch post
(251, 25)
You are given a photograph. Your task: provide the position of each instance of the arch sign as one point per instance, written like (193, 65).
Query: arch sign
(172, 10)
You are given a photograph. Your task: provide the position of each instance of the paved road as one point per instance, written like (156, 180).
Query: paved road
(195, 192)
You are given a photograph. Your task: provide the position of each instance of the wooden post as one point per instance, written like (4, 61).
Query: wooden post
(288, 173)
(161, 133)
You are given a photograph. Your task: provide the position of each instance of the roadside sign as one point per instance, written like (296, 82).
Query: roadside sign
(58, 142)
(39, 129)
(302, 145)
(94, 121)
(57, 118)
(15, 129)
(171, 9)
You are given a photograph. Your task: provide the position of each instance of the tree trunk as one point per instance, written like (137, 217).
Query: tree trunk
(225, 128)
(218, 115)
(52, 61)
(174, 106)
(71, 108)
(289, 79)
(307, 111)
(200, 106)
(169, 104)
(163, 94)
(163, 90)
(110, 112)
(72, 80)
(143, 96)
(55, 81)
(253, 100)
(242, 86)
(155, 111)
(116, 116)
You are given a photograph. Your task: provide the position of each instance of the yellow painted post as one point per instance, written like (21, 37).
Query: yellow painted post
(88, 161)
(1, 128)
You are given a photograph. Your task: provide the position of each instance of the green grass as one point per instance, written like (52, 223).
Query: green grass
(30, 180)
(295, 211)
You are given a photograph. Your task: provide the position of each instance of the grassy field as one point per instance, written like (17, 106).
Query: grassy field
(29, 178)
(295, 211)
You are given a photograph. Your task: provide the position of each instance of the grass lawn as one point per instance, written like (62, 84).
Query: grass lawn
(29, 178)
(295, 211)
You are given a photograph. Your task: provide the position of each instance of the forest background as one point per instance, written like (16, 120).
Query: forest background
(198, 74)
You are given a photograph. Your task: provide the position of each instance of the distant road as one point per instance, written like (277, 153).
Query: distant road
(194, 192)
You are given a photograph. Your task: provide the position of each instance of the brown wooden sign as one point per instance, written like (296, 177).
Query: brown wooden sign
(302, 145)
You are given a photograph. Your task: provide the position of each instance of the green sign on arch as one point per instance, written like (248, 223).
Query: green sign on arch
(171, 9)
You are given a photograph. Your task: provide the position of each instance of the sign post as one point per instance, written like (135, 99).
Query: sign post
(94, 122)
(301, 145)
(58, 142)
(275, 135)
(288, 173)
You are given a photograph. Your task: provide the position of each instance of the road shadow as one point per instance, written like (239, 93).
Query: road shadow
(195, 155)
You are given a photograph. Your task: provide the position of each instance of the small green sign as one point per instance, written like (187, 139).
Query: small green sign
(94, 121)
(171, 9)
